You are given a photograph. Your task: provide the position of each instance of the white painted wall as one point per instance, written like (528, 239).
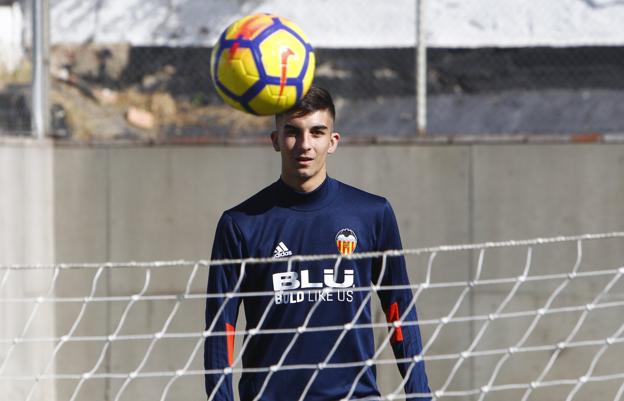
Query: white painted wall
(347, 23)
(469, 23)
(11, 21)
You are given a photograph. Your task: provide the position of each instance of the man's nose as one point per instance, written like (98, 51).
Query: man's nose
(305, 140)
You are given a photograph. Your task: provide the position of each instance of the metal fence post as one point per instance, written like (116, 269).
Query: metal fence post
(40, 115)
(421, 69)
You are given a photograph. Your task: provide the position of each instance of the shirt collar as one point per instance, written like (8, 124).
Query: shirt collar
(319, 198)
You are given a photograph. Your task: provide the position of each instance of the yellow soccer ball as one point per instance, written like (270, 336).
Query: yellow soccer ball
(262, 64)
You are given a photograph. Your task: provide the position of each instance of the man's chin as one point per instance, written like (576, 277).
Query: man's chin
(304, 174)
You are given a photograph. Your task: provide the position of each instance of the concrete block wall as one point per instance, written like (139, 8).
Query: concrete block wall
(161, 203)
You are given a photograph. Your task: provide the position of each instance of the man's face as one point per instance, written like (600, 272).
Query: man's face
(304, 143)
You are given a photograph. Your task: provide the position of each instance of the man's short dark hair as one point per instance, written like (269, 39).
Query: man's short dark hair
(317, 98)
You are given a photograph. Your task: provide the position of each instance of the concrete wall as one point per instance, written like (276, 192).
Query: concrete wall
(162, 203)
(26, 237)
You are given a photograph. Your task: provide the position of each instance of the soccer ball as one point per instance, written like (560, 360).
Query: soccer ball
(262, 64)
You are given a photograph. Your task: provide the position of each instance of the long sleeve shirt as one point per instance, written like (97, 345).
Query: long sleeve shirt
(320, 298)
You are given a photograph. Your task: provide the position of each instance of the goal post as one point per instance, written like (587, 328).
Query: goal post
(515, 320)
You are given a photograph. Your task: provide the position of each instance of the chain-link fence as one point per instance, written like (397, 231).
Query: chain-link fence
(139, 70)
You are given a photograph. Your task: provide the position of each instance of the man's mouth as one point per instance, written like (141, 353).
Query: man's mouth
(304, 161)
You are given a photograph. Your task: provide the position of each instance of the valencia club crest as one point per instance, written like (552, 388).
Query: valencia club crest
(346, 241)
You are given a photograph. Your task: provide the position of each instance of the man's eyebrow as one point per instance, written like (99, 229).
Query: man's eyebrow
(319, 127)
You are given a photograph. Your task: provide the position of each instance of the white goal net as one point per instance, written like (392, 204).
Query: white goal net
(539, 319)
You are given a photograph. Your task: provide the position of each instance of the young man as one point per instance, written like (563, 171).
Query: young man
(302, 321)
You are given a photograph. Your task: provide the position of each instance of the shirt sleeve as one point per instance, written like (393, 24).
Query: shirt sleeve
(406, 341)
(222, 312)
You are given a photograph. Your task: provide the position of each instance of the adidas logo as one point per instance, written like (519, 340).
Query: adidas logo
(281, 250)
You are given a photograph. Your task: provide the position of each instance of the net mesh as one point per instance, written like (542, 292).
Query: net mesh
(516, 320)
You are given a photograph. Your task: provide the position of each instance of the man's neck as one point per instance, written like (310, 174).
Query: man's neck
(307, 185)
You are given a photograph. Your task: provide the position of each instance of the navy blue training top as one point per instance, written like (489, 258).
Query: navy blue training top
(279, 222)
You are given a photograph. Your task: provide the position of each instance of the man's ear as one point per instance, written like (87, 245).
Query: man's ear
(333, 142)
(274, 141)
